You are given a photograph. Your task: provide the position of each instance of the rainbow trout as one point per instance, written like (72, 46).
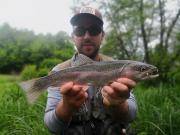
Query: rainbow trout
(86, 71)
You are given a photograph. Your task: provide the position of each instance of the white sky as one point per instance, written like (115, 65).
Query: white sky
(41, 16)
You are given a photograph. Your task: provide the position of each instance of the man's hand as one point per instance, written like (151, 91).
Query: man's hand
(118, 91)
(73, 96)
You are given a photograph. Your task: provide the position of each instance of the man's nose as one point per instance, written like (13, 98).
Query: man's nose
(87, 35)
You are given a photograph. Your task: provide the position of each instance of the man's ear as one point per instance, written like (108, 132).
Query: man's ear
(103, 35)
(102, 38)
(72, 36)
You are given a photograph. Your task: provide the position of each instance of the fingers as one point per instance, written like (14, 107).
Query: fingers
(111, 99)
(118, 90)
(81, 95)
(128, 82)
(74, 95)
(66, 87)
(72, 88)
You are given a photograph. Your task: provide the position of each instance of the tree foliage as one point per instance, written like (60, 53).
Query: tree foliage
(22, 47)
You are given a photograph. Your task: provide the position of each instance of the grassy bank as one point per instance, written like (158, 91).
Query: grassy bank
(159, 110)
(17, 117)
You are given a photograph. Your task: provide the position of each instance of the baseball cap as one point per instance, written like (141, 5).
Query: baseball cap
(84, 12)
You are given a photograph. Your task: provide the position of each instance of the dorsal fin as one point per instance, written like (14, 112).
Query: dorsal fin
(80, 59)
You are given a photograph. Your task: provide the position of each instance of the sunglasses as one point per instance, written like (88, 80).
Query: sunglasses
(93, 30)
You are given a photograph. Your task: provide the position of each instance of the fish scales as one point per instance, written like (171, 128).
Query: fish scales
(88, 73)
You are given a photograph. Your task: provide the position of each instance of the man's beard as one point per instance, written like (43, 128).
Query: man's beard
(91, 55)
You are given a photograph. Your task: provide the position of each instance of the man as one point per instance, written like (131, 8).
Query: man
(75, 109)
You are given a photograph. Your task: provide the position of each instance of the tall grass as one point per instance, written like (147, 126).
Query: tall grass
(158, 113)
(159, 110)
(17, 117)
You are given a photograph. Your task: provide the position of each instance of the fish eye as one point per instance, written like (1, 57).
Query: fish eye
(142, 68)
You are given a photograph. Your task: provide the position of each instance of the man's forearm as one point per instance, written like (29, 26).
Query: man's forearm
(52, 120)
(54, 124)
(124, 111)
(119, 111)
(63, 112)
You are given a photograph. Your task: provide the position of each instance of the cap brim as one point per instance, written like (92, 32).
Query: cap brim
(76, 19)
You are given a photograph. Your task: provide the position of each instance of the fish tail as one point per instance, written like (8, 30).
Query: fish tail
(27, 85)
(34, 88)
(33, 96)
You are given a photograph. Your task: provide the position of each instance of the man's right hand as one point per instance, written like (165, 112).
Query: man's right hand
(73, 96)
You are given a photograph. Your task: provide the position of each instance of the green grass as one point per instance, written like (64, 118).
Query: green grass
(158, 113)
(6, 81)
(17, 117)
(159, 110)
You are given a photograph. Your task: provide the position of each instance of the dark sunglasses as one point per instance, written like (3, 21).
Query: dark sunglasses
(93, 30)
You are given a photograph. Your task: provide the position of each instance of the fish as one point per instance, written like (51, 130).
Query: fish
(86, 71)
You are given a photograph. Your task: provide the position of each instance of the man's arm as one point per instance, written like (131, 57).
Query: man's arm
(51, 120)
(62, 104)
(119, 100)
(73, 96)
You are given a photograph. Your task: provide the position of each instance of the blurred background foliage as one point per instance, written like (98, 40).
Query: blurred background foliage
(23, 50)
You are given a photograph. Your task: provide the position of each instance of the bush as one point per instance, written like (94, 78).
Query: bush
(42, 72)
(50, 63)
(29, 72)
(64, 54)
(174, 75)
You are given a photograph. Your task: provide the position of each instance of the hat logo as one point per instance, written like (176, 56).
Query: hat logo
(87, 10)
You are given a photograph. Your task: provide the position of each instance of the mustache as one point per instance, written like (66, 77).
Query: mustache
(88, 42)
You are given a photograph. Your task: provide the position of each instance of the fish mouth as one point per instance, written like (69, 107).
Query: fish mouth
(150, 77)
(150, 74)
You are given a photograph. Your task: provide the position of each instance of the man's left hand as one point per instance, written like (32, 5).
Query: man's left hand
(118, 91)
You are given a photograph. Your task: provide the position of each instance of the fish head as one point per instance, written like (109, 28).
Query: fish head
(140, 71)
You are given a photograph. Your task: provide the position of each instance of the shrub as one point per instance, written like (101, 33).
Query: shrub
(174, 74)
(42, 72)
(50, 63)
(29, 72)
(64, 54)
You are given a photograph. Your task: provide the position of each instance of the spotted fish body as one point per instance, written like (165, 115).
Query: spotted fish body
(87, 71)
